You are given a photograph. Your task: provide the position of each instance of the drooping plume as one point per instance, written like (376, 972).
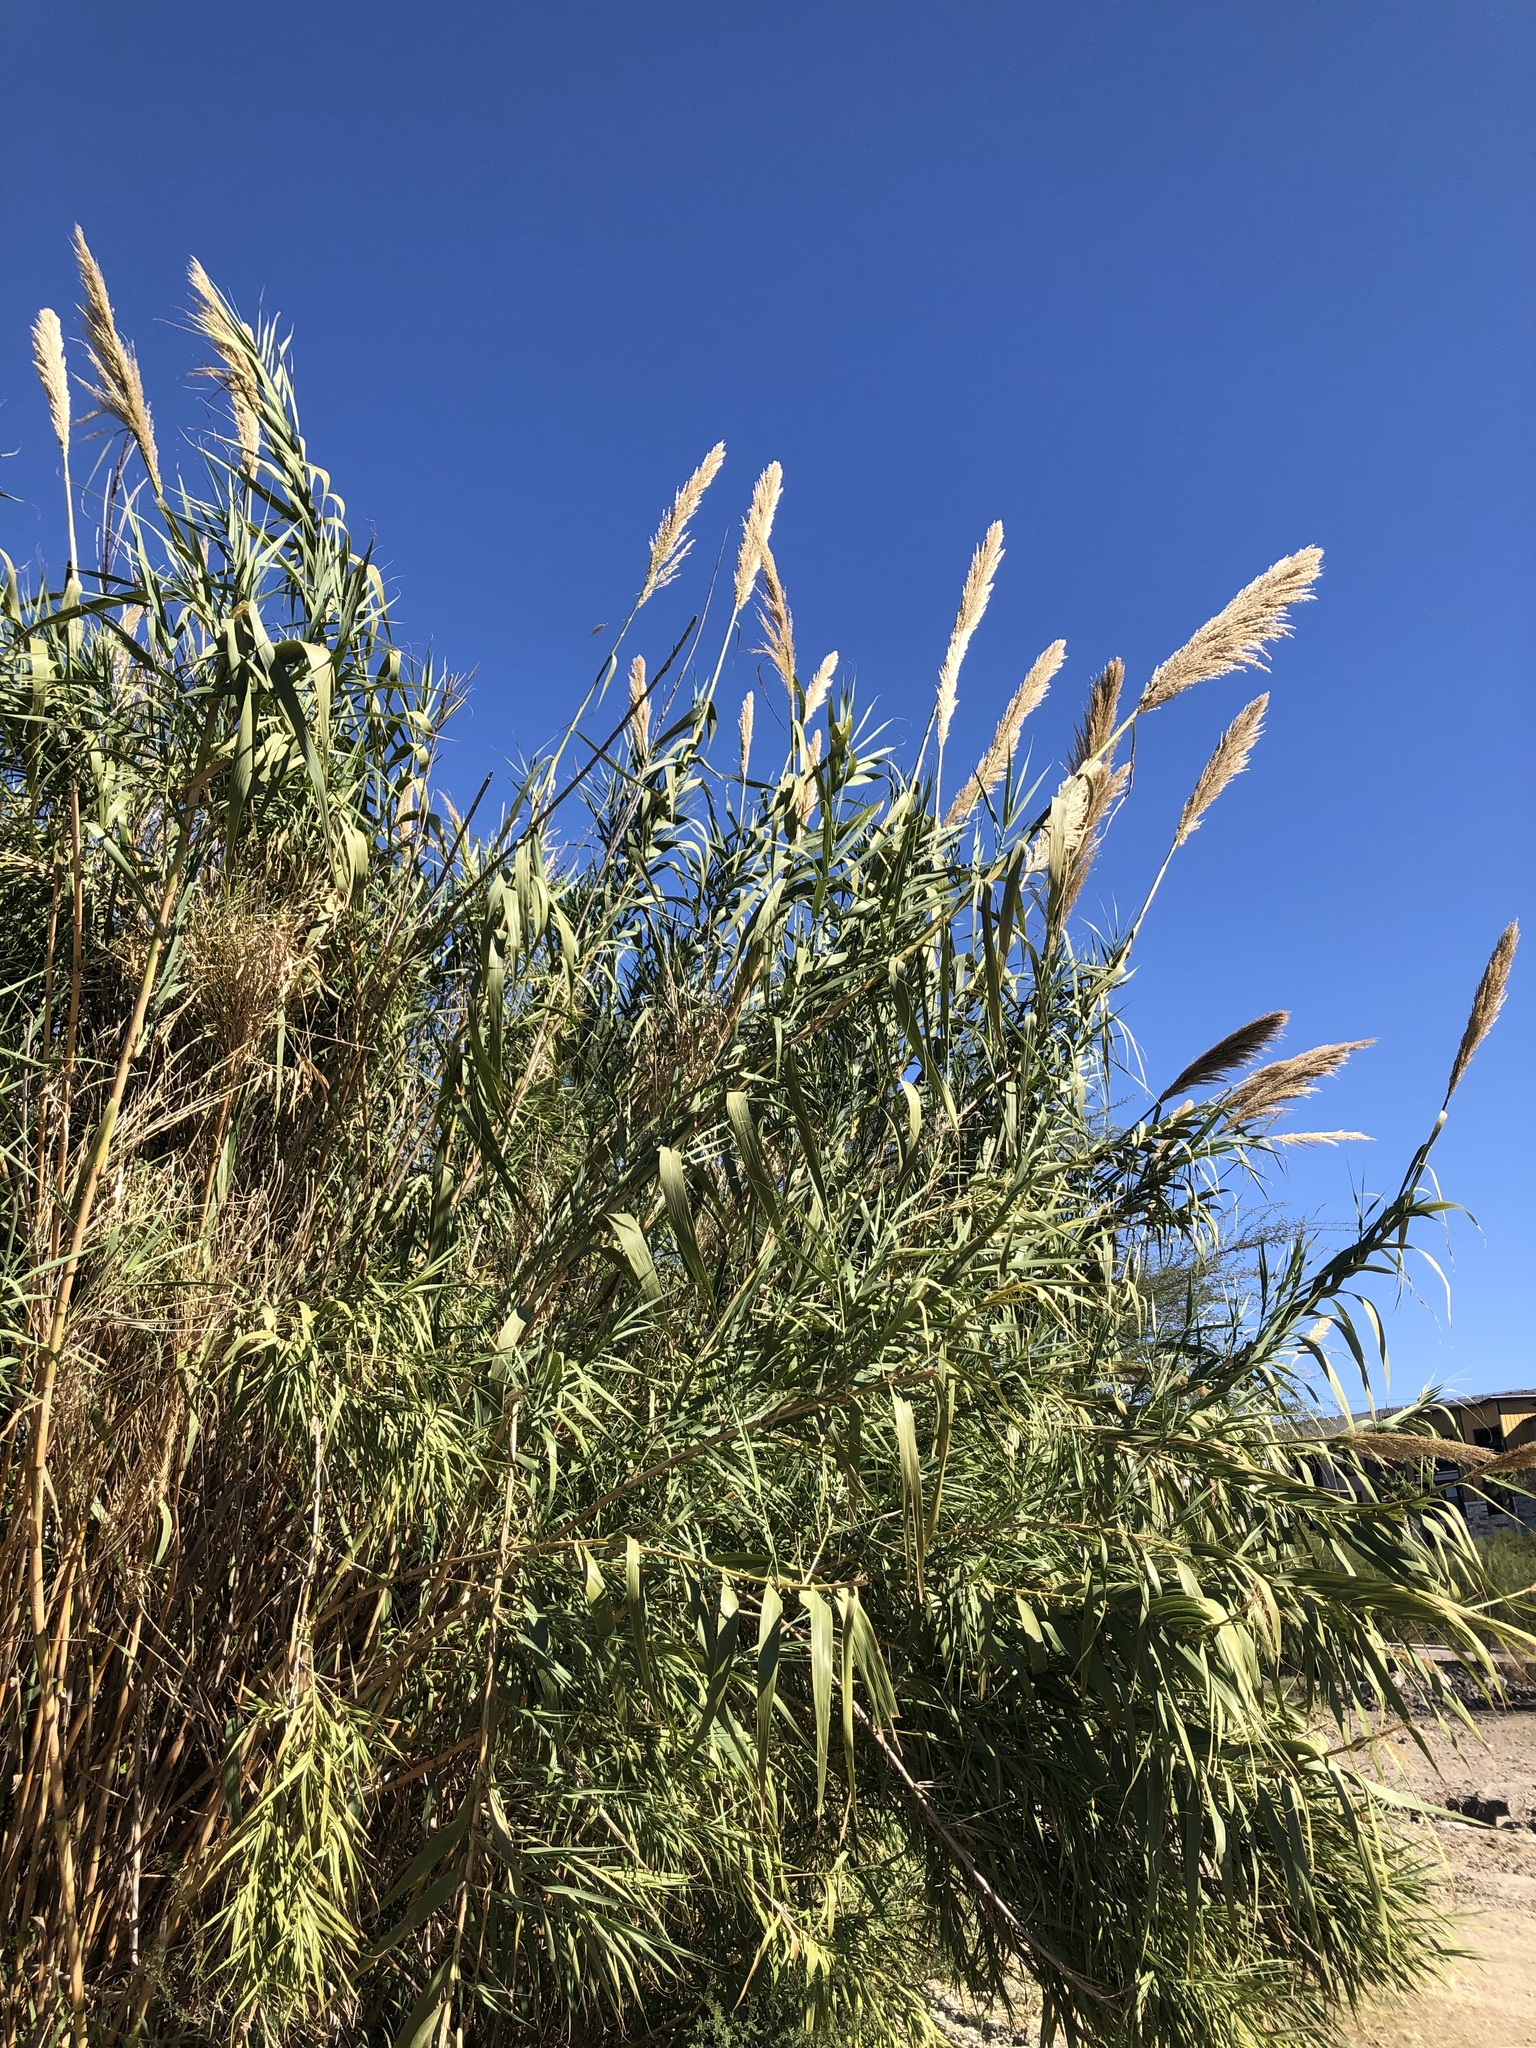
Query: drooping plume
(119, 389)
(234, 345)
(973, 604)
(778, 625)
(1239, 634)
(670, 543)
(1285, 1081)
(1228, 759)
(1486, 1004)
(1235, 1050)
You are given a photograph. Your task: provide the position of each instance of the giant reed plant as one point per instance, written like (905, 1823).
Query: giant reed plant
(633, 1407)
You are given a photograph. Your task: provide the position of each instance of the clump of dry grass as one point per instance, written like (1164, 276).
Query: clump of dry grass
(1240, 632)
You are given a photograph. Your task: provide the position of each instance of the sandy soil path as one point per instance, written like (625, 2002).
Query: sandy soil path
(1489, 2000)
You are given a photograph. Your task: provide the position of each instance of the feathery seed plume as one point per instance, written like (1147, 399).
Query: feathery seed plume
(817, 688)
(1235, 1050)
(48, 360)
(1239, 634)
(993, 765)
(973, 605)
(1106, 785)
(744, 731)
(1286, 1081)
(670, 542)
(1323, 1138)
(1486, 1004)
(119, 389)
(778, 626)
(1228, 759)
(234, 344)
(639, 706)
(755, 529)
(1099, 715)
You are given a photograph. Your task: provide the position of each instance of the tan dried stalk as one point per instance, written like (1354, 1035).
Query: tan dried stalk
(1228, 760)
(1486, 1004)
(756, 528)
(1099, 715)
(744, 731)
(53, 374)
(1004, 744)
(778, 625)
(1286, 1081)
(973, 604)
(817, 688)
(1240, 632)
(639, 706)
(233, 343)
(670, 544)
(119, 389)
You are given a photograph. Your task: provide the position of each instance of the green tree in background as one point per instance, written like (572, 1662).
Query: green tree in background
(630, 1415)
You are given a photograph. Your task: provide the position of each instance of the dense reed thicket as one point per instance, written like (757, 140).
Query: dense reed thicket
(635, 1406)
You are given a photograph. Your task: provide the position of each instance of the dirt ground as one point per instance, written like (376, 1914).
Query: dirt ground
(1489, 2000)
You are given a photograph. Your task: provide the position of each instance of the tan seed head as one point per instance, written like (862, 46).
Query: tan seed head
(993, 765)
(1239, 634)
(755, 529)
(974, 598)
(1228, 760)
(639, 706)
(119, 389)
(1487, 1003)
(670, 542)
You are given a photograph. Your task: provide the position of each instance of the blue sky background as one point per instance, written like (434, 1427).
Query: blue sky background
(1171, 289)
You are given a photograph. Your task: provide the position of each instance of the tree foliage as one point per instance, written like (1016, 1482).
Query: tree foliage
(637, 1408)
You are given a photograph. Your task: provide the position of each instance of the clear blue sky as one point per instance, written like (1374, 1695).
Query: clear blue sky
(1171, 289)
